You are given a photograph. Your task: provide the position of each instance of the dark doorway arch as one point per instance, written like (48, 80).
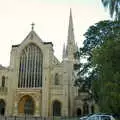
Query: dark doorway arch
(29, 106)
(78, 112)
(56, 108)
(92, 109)
(26, 105)
(2, 107)
(85, 108)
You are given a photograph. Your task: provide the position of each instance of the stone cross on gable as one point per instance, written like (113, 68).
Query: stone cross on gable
(32, 26)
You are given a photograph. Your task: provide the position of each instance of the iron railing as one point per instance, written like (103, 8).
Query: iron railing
(27, 117)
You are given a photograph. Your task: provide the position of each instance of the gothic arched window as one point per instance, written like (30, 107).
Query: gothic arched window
(56, 79)
(3, 81)
(30, 70)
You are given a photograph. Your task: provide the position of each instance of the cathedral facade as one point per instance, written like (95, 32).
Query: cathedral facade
(37, 83)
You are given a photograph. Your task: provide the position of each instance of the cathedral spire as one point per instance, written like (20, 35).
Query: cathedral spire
(70, 30)
(70, 41)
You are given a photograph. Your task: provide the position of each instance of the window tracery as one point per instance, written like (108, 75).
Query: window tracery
(30, 70)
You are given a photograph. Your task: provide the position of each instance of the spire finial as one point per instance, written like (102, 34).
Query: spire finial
(32, 25)
(70, 12)
(70, 29)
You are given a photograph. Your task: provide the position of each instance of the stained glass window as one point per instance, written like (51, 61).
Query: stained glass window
(30, 70)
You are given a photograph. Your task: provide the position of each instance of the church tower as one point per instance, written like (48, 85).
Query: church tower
(68, 61)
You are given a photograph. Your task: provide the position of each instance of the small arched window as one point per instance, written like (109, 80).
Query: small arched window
(56, 79)
(3, 81)
(79, 91)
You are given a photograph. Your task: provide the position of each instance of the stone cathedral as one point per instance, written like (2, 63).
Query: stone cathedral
(38, 84)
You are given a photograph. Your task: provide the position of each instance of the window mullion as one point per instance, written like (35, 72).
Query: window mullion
(26, 66)
(20, 73)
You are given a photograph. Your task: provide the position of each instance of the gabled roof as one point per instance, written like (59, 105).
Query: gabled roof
(31, 36)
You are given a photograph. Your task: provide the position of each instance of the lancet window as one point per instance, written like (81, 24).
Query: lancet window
(3, 81)
(30, 70)
(56, 79)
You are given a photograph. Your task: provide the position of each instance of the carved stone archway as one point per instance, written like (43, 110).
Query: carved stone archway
(26, 105)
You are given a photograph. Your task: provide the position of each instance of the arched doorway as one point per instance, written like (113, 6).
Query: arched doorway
(26, 105)
(78, 112)
(85, 108)
(56, 108)
(92, 109)
(2, 107)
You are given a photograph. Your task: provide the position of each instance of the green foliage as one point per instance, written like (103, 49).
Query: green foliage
(100, 32)
(95, 37)
(97, 69)
(107, 86)
(114, 8)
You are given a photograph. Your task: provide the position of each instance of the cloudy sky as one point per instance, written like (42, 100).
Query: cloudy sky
(51, 21)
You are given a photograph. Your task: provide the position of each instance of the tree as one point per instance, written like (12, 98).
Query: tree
(95, 36)
(107, 60)
(100, 32)
(114, 8)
